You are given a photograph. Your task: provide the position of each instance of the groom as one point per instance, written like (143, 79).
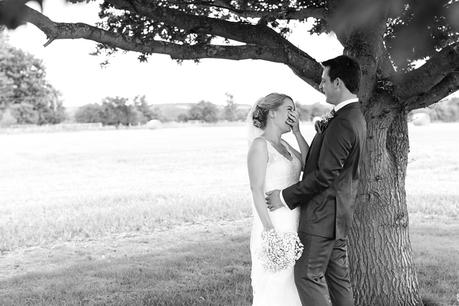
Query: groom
(327, 192)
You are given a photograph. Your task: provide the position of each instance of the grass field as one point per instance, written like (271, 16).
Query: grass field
(71, 202)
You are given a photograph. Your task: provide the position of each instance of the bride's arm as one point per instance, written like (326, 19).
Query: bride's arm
(257, 160)
(302, 144)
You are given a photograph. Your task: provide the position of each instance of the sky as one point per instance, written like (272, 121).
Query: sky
(81, 80)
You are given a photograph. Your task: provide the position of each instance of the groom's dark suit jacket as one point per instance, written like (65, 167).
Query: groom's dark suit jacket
(328, 190)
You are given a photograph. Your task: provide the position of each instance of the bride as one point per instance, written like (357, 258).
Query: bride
(273, 164)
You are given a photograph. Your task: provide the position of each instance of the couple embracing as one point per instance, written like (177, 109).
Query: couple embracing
(319, 207)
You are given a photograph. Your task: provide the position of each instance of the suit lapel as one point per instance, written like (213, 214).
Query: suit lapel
(314, 149)
(316, 144)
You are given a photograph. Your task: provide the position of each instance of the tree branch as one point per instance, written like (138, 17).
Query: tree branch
(386, 67)
(300, 62)
(447, 86)
(55, 31)
(245, 33)
(421, 80)
(237, 31)
(318, 13)
(283, 14)
(262, 42)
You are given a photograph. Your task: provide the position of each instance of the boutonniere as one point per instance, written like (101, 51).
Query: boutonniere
(322, 124)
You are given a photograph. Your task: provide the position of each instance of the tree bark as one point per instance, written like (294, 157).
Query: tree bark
(380, 254)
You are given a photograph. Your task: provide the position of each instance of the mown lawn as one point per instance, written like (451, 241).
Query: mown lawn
(68, 197)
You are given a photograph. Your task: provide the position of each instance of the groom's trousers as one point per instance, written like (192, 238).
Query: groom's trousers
(322, 272)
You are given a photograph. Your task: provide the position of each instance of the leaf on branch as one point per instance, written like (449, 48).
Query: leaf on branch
(142, 58)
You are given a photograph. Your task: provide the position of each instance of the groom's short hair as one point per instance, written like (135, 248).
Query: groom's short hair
(347, 69)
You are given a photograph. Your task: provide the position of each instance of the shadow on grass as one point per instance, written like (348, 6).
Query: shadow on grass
(212, 272)
(205, 273)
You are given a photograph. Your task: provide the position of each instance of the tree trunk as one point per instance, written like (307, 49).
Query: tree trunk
(380, 254)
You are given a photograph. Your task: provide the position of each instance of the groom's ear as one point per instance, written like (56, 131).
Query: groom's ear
(341, 84)
(337, 82)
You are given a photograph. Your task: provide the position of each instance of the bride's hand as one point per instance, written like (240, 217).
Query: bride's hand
(293, 121)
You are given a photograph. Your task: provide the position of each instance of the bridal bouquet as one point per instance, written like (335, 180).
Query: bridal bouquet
(279, 251)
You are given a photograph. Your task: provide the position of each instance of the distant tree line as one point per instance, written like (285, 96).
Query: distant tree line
(308, 112)
(120, 111)
(208, 112)
(117, 111)
(26, 97)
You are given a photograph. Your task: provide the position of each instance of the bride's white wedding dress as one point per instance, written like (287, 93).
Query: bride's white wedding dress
(275, 288)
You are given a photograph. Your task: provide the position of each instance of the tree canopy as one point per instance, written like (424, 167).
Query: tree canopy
(25, 94)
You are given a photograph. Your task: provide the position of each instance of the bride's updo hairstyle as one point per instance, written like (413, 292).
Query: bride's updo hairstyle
(264, 105)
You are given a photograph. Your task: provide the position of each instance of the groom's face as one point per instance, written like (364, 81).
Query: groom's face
(329, 88)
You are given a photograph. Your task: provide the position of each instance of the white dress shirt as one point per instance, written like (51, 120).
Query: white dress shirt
(344, 103)
(336, 108)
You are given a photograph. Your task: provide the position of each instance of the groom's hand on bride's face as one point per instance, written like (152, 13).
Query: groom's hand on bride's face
(273, 200)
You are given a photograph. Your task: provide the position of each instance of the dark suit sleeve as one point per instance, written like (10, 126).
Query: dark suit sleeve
(336, 147)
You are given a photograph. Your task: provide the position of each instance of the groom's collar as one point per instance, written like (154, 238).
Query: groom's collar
(344, 103)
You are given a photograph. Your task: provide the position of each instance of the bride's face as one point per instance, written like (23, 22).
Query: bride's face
(281, 115)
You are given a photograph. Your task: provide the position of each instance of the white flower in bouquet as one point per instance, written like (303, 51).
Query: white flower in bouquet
(279, 251)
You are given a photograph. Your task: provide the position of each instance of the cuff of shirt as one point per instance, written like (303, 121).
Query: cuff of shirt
(282, 199)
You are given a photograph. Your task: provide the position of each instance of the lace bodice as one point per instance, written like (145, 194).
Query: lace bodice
(280, 171)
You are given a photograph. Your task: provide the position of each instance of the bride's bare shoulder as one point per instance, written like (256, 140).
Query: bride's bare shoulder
(258, 143)
(258, 147)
